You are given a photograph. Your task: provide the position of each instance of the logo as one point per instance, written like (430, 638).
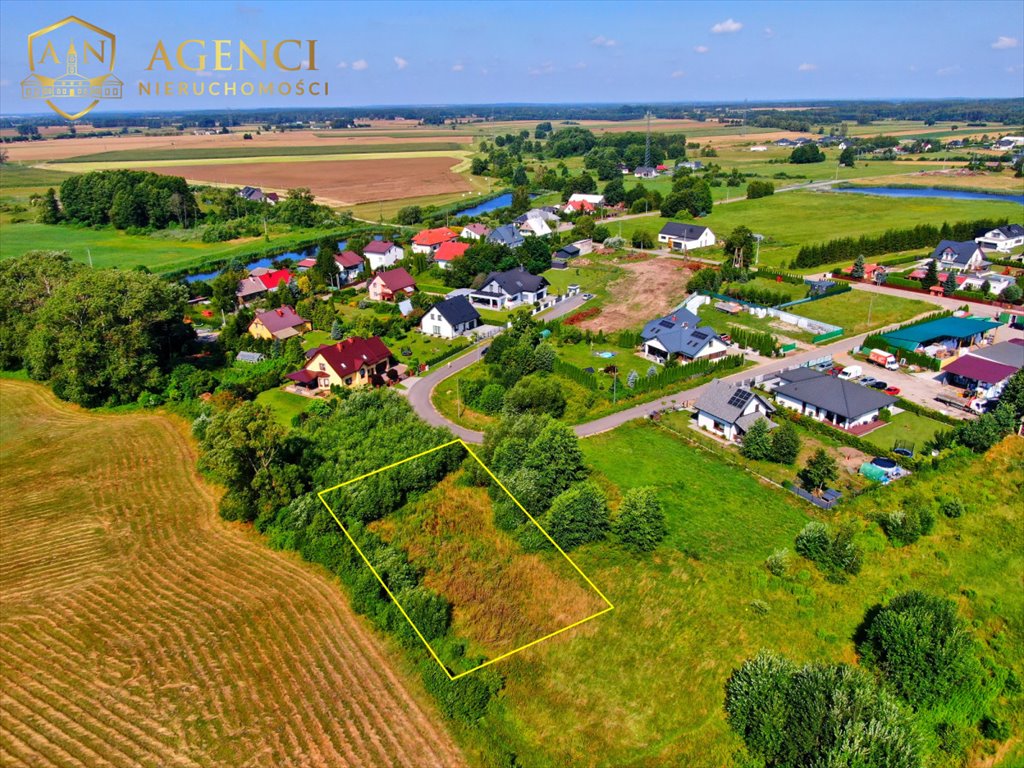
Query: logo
(72, 67)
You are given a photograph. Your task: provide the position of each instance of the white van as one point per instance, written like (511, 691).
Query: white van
(850, 372)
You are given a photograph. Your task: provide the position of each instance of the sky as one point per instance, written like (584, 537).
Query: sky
(397, 53)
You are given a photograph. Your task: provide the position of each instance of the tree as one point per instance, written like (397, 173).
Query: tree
(583, 227)
(615, 190)
(808, 153)
(949, 284)
(817, 715)
(857, 273)
(741, 240)
(520, 201)
(785, 443)
(821, 469)
(640, 525)
(50, 208)
(411, 214)
(519, 178)
(704, 279)
(536, 394)
(1012, 294)
(326, 269)
(578, 516)
(920, 646)
(757, 442)
(337, 332)
(1013, 395)
(556, 456)
(756, 189)
(931, 275)
(848, 157)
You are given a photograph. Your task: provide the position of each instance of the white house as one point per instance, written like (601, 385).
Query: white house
(730, 411)
(843, 404)
(1002, 239)
(429, 240)
(382, 253)
(680, 335)
(686, 237)
(504, 290)
(475, 231)
(646, 172)
(450, 318)
(996, 283)
(962, 257)
(534, 226)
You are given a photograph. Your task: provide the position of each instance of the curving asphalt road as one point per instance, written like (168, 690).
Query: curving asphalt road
(420, 389)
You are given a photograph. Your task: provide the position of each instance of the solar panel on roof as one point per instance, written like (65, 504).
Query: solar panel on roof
(665, 324)
(700, 336)
(740, 398)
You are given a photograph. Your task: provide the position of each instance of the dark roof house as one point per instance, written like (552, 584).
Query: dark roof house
(506, 235)
(845, 399)
(680, 231)
(457, 310)
(516, 281)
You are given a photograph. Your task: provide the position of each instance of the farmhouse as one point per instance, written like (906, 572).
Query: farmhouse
(1002, 239)
(257, 195)
(386, 286)
(507, 235)
(825, 398)
(352, 363)
(429, 240)
(680, 335)
(449, 252)
(685, 237)
(475, 231)
(382, 253)
(281, 323)
(350, 267)
(961, 257)
(730, 411)
(504, 290)
(450, 318)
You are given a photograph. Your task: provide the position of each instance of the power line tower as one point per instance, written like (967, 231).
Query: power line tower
(647, 147)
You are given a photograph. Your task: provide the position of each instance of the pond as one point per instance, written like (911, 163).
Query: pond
(958, 194)
(501, 201)
(266, 262)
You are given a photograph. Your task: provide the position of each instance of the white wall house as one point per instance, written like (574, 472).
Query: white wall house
(730, 411)
(686, 237)
(841, 403)
(1002, 239)
(450, 318)
(504, 290)
(381, 254)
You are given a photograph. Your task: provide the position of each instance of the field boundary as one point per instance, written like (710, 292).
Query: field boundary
(532, 519)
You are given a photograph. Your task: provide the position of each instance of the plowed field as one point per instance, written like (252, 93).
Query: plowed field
(137, 628)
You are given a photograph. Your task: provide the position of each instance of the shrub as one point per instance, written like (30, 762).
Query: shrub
(578, 516)
(777, 562)
(920, 646)
(757, 442)
(490, 399)
(785, 443)
(993, 728)
(905, 526)
(536, 394)
(953, 507)
(836, 554)
(640, 525)
(821, 469)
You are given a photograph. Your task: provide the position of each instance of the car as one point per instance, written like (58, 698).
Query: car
(484, 350)
(892, 391)
(835, 370)
(876, 384)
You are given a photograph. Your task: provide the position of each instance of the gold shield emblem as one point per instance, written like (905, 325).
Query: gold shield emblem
(72, 67)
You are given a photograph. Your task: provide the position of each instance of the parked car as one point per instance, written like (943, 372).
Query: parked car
(868, 381)
(893, 391)
(878, 384)
(835, 370)
(851, 372)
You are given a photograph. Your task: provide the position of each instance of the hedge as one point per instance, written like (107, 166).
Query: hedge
(764, 343)
(574, 373)
(787, 277)
(671, 374)
(445, 355)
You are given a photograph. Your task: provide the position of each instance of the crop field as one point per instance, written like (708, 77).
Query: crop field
(685, 616)
(140, 629)
(249, 151)
(341, 182)
(792, 219)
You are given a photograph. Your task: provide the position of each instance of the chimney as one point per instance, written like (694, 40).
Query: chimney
(280, 313)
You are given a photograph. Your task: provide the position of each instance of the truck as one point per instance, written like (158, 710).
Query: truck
(850, 372)
(885, 359)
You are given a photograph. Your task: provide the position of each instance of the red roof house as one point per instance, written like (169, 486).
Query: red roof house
(271, 280)
(354, 362)
(385, 286)
(306, 264)
(448, 252)
(429, 240)
(348, 259)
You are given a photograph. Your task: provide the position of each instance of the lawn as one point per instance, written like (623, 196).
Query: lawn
(687, 615)
(585, 355)
(284, 405)
(906, 427)
(593, 278)
(792, 219)
(857, 313)
(791, 290)
(721, 321)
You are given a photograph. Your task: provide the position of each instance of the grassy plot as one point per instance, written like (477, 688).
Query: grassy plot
(906, 427)
(502, 597)
(791, 219)
(856, 313)
(721, 321)
(284, 405)
(687, 615)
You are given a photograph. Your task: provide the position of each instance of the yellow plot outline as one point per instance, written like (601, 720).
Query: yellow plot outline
(532, 520)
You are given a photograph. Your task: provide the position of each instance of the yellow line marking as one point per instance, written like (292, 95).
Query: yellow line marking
(533, 520)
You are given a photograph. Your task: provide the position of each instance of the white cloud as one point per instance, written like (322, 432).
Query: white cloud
(677, 74)
(769, 32)
(342, 65)
(544, 69)
(701, 49)
(400, 62)
(360, 65)
(948, 70)
(457, 67)
(805, 67)
(1009, 70)
(1003, 42)
(580, 65)
(726, 27)
(604, 42)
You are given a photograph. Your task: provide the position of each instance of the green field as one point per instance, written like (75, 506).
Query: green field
(16, 178)
(284, 405)
(721, 321)
(256, 151)
(792, 219)
(683, 617)
(856, 312)
(907, 427)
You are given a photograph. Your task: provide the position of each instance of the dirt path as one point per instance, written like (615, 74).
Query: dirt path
(140, 629)
(648, 289)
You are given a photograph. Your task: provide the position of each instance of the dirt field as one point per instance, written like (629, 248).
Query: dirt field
(140, 629)
(650, 288)
(336, 182)
(60, 149)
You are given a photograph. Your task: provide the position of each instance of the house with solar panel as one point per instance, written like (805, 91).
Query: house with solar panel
(730, 411)
(679, 335)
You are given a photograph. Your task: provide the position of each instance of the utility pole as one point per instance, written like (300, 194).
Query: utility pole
(647, 148)
(89, 251)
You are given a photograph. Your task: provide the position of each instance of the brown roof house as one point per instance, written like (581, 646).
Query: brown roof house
(387, 286)
(352, 363)
(281, 323)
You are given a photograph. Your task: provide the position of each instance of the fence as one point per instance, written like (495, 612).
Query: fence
(827, 336)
